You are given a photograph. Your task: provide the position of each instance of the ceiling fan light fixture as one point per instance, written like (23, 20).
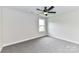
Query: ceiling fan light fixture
(45, 13)
(47, 10)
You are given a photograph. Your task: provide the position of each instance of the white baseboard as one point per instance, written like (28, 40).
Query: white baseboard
(72, 41)
(23, 40)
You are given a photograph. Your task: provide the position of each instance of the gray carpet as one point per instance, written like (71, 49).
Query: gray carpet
(43, 45)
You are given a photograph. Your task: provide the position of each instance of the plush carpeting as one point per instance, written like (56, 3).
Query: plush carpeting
(43, 45)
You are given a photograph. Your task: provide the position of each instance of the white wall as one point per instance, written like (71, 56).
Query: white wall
(19, 26)
(0, 29)
(65, 26)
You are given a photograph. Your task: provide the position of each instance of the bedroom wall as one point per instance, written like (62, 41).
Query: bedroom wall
(1, 30)
(65, 26)
(19, 26)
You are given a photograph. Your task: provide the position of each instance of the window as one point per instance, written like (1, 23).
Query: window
(41, 25)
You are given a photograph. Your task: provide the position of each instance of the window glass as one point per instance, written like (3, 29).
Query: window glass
(41, 25)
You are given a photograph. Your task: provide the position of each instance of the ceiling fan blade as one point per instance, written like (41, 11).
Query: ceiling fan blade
(50, 8)
(39, 9)
(51, 12)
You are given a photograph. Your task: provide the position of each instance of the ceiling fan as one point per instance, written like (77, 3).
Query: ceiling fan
(47, 10)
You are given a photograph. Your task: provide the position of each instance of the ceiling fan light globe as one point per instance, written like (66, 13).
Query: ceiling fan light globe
(45, 13)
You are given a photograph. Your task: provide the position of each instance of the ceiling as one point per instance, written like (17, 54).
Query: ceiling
(59, 9)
